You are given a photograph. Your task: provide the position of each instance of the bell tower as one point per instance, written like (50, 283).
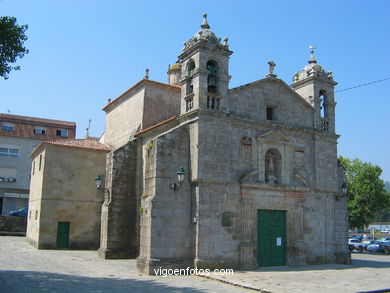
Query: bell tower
(316, 86)
(205, 72)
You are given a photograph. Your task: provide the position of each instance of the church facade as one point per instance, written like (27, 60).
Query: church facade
(205, 176)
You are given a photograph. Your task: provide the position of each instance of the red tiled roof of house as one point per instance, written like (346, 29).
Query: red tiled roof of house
(134, 86)
(88, 143)
(155, 125)
(36, 120)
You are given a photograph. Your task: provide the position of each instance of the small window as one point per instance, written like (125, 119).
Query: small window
(212, 77)
(8, 126)
(36, 215)
(270, 113)
(9, 152)
(62, 132)
(39, 130)
(40, 162)
(33, 168)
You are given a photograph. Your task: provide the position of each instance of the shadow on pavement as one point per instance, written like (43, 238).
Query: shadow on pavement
(356, 263)
(30, 281)
(371, 263)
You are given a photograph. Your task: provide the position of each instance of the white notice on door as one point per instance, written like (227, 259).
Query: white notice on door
(279, 241)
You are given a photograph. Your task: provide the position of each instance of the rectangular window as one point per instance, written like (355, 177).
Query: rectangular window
(62, 132)
(9, 152)
(7, 126)
(39, 130)
(270, 113)
(40, 162)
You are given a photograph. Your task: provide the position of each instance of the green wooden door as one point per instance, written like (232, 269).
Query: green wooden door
(271, 238)
(63, 235)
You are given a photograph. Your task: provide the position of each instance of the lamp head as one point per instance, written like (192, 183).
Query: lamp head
(180, 174)
(98, 180)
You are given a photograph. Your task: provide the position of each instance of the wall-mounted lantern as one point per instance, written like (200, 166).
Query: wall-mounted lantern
(180, 179)
(344, 191)
(98, 182)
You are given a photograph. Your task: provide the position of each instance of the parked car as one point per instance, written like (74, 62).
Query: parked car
(379, 246)
(359, 237)
(19, 213)
(361, 246)
(384, 239)
(351, 243)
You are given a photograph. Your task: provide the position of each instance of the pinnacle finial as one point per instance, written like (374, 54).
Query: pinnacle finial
(225, 41)
(205, 25)
(312, 58)
(146, 73)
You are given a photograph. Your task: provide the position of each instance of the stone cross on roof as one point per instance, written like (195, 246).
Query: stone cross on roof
(312, 58)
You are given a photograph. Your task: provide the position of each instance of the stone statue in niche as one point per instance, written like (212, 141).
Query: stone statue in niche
(270, 169)
(273, 166)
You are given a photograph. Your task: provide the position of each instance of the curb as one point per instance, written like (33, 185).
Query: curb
(234, 284)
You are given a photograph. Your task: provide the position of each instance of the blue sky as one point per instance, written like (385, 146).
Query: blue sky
(84, 52)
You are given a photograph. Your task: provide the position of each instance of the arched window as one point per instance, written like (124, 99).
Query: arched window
(190, 69)
(323, 105)
(273, 166)
(212, 77)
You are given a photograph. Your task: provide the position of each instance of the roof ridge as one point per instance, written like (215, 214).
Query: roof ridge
(35, 119)
(92, 144)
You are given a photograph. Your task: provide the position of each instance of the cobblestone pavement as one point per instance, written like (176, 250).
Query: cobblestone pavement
(368, 272)
(25, 269)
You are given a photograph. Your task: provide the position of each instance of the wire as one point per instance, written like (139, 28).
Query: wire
(364, 84)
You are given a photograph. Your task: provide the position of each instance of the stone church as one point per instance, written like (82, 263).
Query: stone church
(206, 176)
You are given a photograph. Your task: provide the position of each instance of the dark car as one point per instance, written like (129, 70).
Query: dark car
(379, 246)
(19, 213)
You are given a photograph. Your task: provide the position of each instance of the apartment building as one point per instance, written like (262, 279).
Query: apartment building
(19, 136)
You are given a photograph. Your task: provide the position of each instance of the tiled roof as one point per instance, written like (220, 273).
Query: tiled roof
(156, 125)
(89, 143)
(35, 120)
(134, 86)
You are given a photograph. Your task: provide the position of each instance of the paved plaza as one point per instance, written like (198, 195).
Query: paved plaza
(25, 269)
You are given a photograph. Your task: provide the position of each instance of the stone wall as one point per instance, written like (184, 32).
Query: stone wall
(225, 157)
(63, 190)
(119, 214)
(125, 118)
(250, 101)
(166, 214)
(12, 224)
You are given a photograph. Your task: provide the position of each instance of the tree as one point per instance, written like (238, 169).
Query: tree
(12, 37)
(366, 192)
